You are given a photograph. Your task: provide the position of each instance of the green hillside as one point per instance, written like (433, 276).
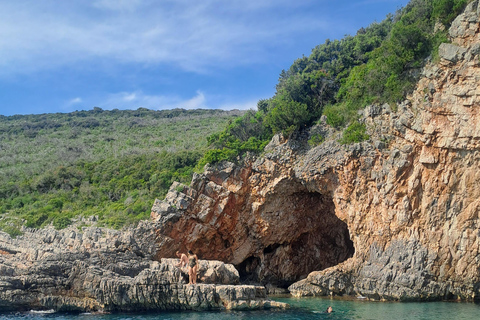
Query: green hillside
(112, 164)
(380, 64)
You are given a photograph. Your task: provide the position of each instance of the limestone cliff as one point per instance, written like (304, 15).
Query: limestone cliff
(97, 269)
(396, 217)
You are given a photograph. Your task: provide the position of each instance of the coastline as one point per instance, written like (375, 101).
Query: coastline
(102, 270)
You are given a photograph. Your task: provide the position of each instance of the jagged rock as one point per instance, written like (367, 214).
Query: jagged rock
(451, 52)
(98, 269)
(231, 220)
(395, 218)
(466, 25)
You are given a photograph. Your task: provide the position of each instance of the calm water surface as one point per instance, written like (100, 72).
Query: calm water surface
(302, 309)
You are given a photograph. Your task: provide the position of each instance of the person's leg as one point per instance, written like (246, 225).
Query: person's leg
(190, 275)
(195, 274)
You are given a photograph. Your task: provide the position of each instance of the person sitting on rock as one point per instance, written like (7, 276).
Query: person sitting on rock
(183, 260)
(192, 267)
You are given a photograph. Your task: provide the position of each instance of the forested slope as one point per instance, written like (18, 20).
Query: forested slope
(380, 64)
(54, 167)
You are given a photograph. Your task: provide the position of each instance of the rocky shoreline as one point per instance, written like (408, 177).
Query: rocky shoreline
(392, 218)
(101, 270)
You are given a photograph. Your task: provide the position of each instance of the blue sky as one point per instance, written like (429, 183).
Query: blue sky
(67, 55)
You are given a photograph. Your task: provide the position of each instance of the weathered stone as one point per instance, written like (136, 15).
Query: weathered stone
(256, 234)
(466, 24)
(108, 270)
(451, 52)
(428, 155)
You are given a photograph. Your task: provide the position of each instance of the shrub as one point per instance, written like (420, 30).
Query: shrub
(356, 132)
(446, 10)
(316, 140)
(386, 76)
(335, 117)
(287, 116)
(12, 231)
(246, 134)
(61, 222)
(299, 99)
(56, 203)
(36, 221)
(217, 155)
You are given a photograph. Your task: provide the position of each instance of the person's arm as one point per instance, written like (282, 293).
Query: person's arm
(181, 262)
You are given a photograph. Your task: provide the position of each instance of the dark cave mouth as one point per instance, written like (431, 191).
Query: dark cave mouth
(322, 241)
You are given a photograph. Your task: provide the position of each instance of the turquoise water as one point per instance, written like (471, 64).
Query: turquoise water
(302, 309)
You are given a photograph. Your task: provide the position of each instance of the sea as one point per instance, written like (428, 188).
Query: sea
(301, 309)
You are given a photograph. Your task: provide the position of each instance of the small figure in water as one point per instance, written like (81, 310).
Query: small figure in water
(183, 260)
(192, 267)
(329, 309)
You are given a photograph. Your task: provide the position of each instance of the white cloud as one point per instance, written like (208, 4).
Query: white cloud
(197, 102)
(73, 101)
(130, 97)
(194, 35)
(71, 104)
(135, 100)
(138, 99)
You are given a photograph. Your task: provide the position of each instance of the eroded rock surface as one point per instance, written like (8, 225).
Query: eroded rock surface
(97, 269)
(396, 217)
(264, 221)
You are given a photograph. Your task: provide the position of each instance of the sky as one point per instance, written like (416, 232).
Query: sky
(68, 55)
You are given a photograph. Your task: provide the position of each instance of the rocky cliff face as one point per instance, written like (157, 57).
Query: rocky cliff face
(393, 218)
(97, 269)
(260, 218)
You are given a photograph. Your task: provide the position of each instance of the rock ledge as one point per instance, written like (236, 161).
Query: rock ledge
(102, 270)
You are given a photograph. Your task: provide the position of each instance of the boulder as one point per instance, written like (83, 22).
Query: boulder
(451, 52)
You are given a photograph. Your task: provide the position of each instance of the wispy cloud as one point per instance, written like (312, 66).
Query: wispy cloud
(72, 104)
(193, 35)
(73, 101)
(138, 99)
(198, 101)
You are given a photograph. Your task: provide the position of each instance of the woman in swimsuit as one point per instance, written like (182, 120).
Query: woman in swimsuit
(192, 267)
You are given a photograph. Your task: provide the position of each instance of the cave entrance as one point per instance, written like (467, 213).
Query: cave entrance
(304, 235)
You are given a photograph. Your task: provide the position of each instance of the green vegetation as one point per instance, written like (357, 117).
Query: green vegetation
(389, 71)
(113, 164)
(245, 134)
(356, 132)
(377, 65)
(315, 140)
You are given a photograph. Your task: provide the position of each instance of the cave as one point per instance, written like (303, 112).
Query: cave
(305, 235)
